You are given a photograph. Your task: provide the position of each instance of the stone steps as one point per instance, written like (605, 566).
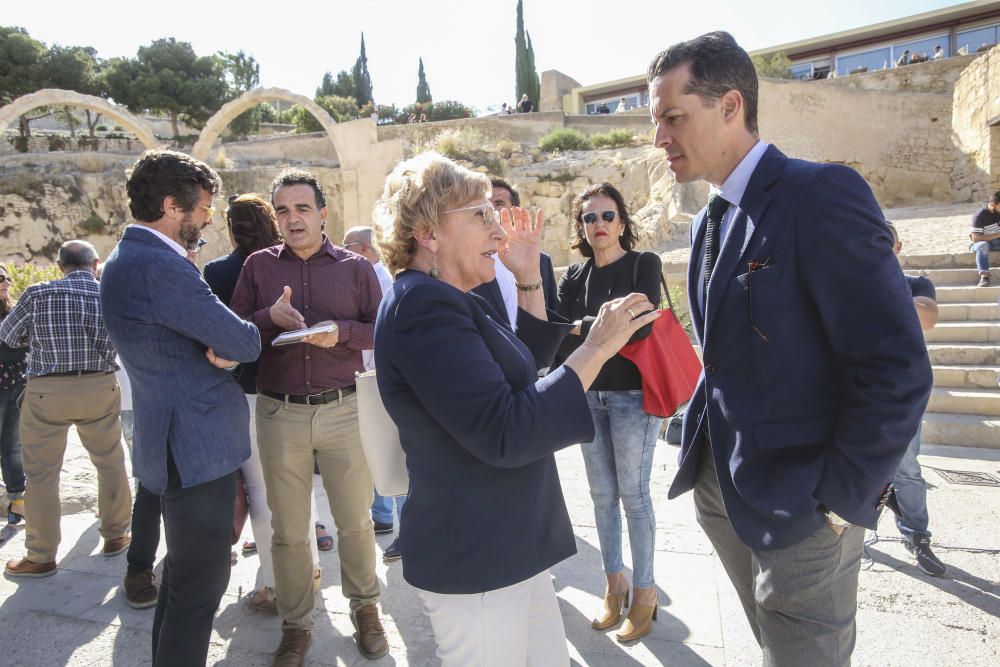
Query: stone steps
(967, 277)
(963, 354)
(965, 401)
(960, 260)
(966, 294)
(963, 312)
(966, 376)
(964, 332)
(961, 430)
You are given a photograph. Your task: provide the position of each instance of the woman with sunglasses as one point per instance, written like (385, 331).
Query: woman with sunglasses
(253, 226)
(13, 366)
(485, 518)
(620, 457)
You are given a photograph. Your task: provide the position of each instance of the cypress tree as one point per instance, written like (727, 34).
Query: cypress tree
(524, 62)
(423, 89)
(362, 79)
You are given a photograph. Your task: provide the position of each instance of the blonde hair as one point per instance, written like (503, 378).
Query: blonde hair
(416, 194)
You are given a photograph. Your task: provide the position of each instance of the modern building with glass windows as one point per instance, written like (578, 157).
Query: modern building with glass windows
(962, 29)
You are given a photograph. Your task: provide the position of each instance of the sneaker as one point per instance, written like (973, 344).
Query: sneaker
(140, 591)
(984, 280)
(926, 560)
(29, 568)
(370, 634)
(392, 553)
(383, 528)
(116, 546)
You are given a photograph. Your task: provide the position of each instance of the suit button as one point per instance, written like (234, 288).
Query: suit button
(710, 369)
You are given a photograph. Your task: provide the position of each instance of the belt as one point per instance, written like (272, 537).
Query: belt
(312, 399)
(74, 374)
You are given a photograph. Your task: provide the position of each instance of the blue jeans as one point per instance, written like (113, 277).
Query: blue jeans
(619, 462)
(982, 250)
(382, 508)
(11, 465)
(911, 493)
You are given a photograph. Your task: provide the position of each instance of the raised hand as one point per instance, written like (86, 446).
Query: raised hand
(523, 247)
(284, 315)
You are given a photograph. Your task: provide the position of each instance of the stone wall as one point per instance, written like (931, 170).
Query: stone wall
(973, 110)
(935, 76)
(314, 147)
(554, 84)
(56, 143)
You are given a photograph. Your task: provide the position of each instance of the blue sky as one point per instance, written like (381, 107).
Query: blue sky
(467, 47)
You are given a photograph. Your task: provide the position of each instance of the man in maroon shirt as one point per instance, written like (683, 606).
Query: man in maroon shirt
(307, 402)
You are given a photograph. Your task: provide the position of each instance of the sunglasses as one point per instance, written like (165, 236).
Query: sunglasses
(6, 279)
(490, 215)
(606, 216)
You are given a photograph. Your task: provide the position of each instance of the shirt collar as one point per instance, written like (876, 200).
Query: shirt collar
(735, 186)
(174, 245)
(327, 247)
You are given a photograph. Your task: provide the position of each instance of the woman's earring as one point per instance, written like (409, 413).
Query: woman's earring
(434, 273)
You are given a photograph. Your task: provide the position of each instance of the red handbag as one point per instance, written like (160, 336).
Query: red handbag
(669, 366)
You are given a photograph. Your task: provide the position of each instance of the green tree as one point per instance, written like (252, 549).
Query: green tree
(73, 68)
(21, 71)
(242, 75)
(326, 86)
(423, 89)
(362, 79)
(526, 77)
(342, 109)
(775, 66)
(168, 77)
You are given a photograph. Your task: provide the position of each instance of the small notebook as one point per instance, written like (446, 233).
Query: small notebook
(296, 336)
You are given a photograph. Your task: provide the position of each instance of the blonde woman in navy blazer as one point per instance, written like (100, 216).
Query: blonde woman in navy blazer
(485, 517)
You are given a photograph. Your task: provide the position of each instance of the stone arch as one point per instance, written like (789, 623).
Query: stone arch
(58, 97)
(218, 122)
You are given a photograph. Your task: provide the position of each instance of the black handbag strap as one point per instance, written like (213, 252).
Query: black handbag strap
(663, 281)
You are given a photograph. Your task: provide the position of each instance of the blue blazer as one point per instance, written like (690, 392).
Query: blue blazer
(821, 412)
(485, 508)
(491, 290)
(162, 317)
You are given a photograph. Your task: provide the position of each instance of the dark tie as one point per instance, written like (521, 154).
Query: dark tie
(717, 207)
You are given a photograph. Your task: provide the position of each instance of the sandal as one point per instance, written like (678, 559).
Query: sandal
(249, 547)
(263, 600)
(323, 542)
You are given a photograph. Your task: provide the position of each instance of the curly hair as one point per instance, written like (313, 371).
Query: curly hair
(416, 194)
(253, 223)
(161, 173)
(577, 237)
(299, 177)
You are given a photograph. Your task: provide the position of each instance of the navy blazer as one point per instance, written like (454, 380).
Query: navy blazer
(485, 508)
(162, 317)
(491, 290)
(821, 412)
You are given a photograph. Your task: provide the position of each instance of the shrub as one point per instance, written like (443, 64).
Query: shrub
(506, 147)
(29, 274)
(564, 139)
(20, 144)
(612, 139)
(56, 143)
(101, 128)
(119, 128)
(93, 224)
(558, 177)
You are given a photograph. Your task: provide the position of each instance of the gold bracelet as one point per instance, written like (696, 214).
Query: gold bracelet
(529, 288)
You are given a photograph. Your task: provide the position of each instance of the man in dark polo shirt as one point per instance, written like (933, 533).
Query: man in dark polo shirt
(307, 402)
(985, 236)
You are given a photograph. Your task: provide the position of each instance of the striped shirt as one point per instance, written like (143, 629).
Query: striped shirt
(61, 323)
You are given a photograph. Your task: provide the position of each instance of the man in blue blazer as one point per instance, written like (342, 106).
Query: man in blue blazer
(175, 339)
(816, 374)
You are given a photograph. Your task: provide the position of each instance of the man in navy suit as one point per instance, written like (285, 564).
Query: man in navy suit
(501, 291)
(192, 423)
(816, 374)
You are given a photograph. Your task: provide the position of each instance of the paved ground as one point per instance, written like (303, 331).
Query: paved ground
(78, 617)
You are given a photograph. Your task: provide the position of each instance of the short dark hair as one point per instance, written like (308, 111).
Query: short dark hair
(718, 64)
(299, 177)
(162, 173)
(515, 198)
(77, 254)
(995, 197)
(252, 221)
(577, 237)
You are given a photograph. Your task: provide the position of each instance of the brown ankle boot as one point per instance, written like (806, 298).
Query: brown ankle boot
(612, 612)
(639, 622)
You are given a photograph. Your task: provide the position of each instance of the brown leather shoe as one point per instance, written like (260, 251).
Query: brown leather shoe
(293, 647)
(116, 546)
(29, 568)
(140, 591)
(370, 634)
(612, 612)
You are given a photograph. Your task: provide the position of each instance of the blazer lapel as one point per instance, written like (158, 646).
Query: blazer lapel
(743, 228)
(694, 275)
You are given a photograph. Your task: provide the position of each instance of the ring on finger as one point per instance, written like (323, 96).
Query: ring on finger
(630, 313)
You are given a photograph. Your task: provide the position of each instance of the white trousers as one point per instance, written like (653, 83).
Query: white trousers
(260, 514)
(508, 627)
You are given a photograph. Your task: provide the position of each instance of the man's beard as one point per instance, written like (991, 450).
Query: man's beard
(190, 231)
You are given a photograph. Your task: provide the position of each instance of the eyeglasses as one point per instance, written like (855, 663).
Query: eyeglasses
(348, 245)
(490, 215)
(210, 209)
(196, 248)
(6, 279)
(606, 216)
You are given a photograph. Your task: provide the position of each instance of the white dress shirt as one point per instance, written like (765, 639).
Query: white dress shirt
(385, 283)
(508, 290)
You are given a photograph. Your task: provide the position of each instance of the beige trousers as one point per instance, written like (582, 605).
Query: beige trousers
(287, 436)
(51, 406)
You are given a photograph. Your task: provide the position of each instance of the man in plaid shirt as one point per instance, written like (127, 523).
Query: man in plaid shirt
(71, 380)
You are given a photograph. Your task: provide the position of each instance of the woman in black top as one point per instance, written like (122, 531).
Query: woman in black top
(620, 458)
(12, 378)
